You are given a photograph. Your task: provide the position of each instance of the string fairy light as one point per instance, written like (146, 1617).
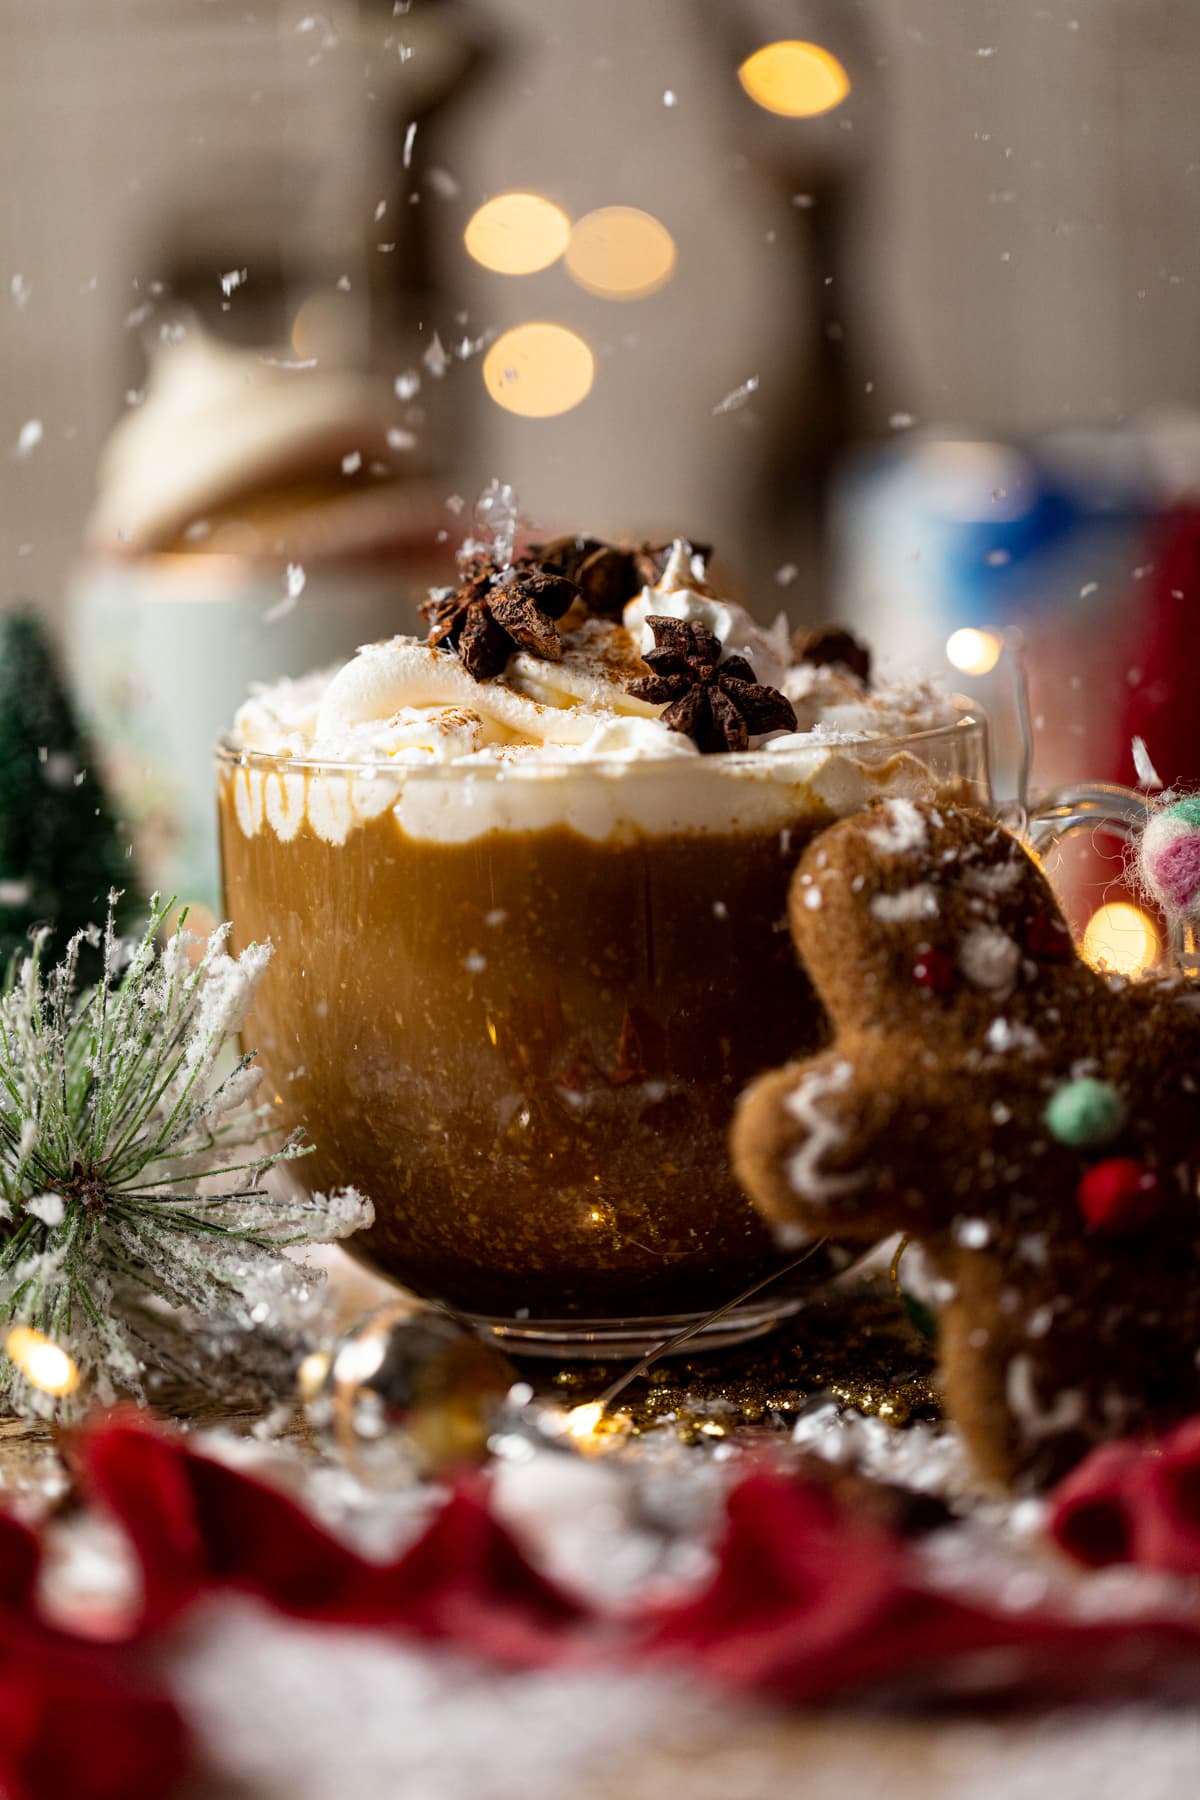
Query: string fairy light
(583, 1422)
(44, 1364)
(1122, 939)
(973, 652)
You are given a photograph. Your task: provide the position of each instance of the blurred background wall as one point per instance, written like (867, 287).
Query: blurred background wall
(1023, 248)
(920, 351)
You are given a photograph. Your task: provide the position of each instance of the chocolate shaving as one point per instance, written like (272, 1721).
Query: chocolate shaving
(833, 646)
(608, 575)
(719, 705)
(495, 611)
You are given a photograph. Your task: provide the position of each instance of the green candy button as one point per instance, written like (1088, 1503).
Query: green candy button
(1085, 1113)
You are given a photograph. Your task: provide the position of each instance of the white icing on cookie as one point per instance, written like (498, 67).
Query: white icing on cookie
(805, 1172)
(904, 830)
(989, 958)
(920, 902)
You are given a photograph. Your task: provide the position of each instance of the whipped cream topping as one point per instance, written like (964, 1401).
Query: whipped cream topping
(835, 705)
(681, 593)
(399, 709)
(400, 701)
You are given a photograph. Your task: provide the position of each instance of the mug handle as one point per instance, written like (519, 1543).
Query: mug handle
(1099, 806)
(1096, 805)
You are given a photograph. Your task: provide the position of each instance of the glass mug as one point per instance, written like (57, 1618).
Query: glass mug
(515, 1005)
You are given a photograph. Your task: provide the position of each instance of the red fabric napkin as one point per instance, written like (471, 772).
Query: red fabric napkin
(77, 1721)
(808, 1604)
(20, 1558)
(809, 1601)
(77, 1724)
(197, 1525)
(1134, 1502)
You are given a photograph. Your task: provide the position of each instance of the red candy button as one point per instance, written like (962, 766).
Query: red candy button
(1118, 1196)
(933, 970)
(1048, 939)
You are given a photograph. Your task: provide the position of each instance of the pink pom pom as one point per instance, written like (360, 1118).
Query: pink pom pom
(1175, 871)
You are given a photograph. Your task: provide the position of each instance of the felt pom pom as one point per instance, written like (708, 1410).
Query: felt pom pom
(1169, 858)
(1085, 1113)
(1119, 1196)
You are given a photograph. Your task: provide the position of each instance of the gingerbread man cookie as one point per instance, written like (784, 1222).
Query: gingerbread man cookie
(1032, 1124)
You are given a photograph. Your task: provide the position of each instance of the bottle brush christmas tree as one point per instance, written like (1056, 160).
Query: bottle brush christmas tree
(61, 850)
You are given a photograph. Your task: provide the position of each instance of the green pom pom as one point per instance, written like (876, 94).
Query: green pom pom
(1085, 1113)
(1188, 810)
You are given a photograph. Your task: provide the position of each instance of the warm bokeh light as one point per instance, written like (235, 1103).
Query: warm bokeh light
(620, 253)
(310, 1376)
(42, 1362)
(973, 652)
(319, 327)
(796, 79)
(538, 370)
(583, 1420)
(1121, 938)
(517, 234)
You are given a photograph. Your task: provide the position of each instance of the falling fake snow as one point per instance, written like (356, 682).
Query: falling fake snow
(1148, 776)
(737, 397)
(293, 580)
(436, 359)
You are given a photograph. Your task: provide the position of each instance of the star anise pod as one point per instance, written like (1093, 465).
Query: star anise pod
(832, 646)
(608, 575)
(719, 705)
(494, 611)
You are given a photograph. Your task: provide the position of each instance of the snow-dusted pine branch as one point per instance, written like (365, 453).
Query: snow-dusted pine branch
(137, 1231)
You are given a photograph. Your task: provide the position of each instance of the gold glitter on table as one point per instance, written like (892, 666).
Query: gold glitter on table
(854, 1347)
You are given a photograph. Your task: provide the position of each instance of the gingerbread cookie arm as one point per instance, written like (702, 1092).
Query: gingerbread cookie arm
(802, 1147)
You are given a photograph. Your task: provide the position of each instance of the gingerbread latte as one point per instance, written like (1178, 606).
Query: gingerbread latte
(526, 885)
